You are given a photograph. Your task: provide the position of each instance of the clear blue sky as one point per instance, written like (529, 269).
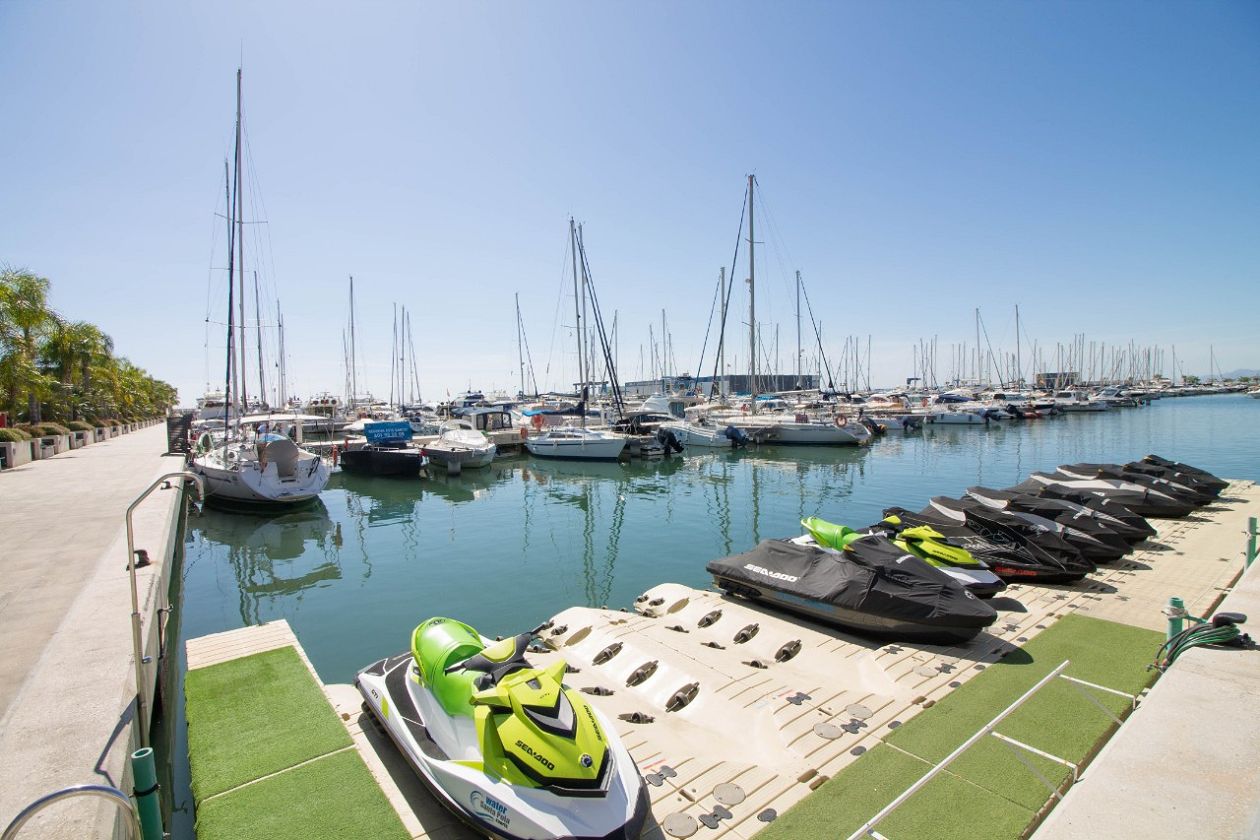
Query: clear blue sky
(1095, 163)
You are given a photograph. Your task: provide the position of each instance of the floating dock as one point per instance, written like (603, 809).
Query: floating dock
(735, 714)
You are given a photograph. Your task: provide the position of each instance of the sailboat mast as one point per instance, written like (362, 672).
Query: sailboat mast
(282, 387)
(520, 358)
(578, 300)
(262, 381)
(230, 371)
(722, 338)
(1019, 368)
(240, 240)
(354, 382)
(752, 304)
(798, 330)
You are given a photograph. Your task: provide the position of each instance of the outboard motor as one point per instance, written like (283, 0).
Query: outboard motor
(737, 436)
(911, 424)
(669, 440)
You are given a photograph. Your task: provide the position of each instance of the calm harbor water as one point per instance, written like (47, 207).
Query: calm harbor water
(505, 547)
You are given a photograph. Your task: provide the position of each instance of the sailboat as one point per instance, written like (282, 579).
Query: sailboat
(256, 465)
(578, 442)
(797, 429)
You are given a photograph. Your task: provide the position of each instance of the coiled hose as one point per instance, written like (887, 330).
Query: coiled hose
(1221, 630)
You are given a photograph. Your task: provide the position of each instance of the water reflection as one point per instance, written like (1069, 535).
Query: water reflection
(276, 557)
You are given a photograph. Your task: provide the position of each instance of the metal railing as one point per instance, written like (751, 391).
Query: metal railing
(131, 821)
(868, 828)
(137, 642)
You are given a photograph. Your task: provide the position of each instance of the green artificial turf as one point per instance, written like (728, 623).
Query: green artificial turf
(333, 797)
(986, 792)
(253, 716)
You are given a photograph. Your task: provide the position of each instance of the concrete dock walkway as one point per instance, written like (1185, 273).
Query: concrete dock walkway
(67, 684)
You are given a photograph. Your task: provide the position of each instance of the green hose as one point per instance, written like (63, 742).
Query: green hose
(1215, 632)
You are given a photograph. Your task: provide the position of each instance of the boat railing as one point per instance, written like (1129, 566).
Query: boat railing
(1018, 748)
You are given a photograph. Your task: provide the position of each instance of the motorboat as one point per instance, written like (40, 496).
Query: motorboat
(387, 451)
(872, 587)
(506, 746)
(459, 445)
(703, 433)
(1076, 402)
(577, 443)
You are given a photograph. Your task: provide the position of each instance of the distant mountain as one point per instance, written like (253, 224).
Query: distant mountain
(1234, 374)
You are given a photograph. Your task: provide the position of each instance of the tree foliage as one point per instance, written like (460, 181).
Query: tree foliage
(52, 368)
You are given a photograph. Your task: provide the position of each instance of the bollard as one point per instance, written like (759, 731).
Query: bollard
(1176, 612)
(146, 793)
(1251, 540)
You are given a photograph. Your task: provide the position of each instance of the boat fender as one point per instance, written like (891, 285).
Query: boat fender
(607, 653)
(537, 422)
(641, 673)
(523, 433)
(336, 453)
(682, 697)
(789, 650)
(746, 633)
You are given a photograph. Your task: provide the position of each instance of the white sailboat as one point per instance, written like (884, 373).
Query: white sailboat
(252, 464)
(579, 443)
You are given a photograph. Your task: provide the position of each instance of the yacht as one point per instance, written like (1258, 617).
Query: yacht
(459, 445)
(577, 443)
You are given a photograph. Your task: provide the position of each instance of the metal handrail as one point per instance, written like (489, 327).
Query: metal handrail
(136, 642)
(132, 822)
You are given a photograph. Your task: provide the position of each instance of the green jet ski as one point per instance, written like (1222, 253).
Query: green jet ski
(506, 746)
(922, 541)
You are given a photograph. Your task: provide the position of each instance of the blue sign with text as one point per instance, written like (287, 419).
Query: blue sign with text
(382, 432)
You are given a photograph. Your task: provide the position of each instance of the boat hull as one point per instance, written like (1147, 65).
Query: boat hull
(577, 449)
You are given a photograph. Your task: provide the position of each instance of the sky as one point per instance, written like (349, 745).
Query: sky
(1094, 164)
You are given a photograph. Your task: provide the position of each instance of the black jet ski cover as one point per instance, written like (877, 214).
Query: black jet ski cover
(1203, 475)
(874, 577)
(1102, 504)
(1116, 472)
(1007, 527)
(1197, 483)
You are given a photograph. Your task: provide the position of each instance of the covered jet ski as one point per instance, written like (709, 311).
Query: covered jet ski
(923, 542)
(506, 746)
(1099, 504)
(1206, 477)
(1002, 552)
(1097, 539)
(1064, 511)
(1141, 500)
(1091, 549)
(1047, 547)
(1211, 488)
(872, 587)
(1119, 473)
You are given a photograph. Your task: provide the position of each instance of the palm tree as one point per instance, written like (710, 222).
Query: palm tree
(72, 347)
(24, 320)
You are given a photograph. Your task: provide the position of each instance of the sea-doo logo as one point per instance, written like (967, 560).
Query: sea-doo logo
(594, 724)
(489, 809)
(528, 750)
(776, 575)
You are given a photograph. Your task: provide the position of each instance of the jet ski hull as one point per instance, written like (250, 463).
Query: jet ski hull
(494, 807)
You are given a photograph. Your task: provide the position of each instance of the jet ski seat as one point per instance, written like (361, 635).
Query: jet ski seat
(496, 661)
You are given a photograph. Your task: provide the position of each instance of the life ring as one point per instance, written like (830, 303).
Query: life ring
(537, 422)
(923, 401)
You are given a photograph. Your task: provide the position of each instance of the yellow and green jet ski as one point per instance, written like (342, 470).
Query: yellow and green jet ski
(922, 541)
(506, 746)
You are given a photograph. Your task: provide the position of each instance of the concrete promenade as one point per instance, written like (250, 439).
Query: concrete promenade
(1187, 763)
(67, 681)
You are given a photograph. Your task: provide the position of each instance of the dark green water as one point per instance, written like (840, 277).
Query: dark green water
(506, 547)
